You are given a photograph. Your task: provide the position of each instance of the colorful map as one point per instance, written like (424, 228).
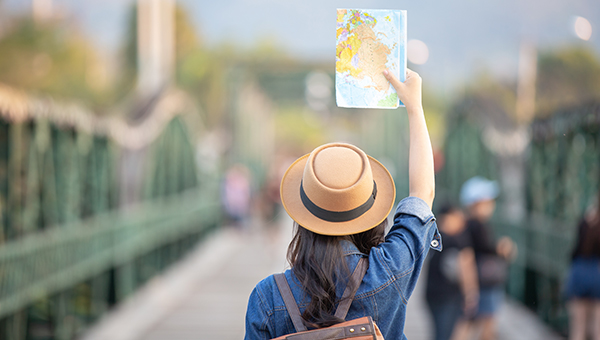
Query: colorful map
(368, 42)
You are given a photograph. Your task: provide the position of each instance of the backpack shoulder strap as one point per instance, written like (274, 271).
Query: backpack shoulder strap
(351, 288)
(290, 302)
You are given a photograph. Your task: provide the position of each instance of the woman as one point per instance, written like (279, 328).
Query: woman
(339, 199)
(583, 286)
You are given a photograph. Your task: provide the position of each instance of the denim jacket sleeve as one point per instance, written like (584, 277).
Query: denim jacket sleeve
(407, 244)
(256, 318)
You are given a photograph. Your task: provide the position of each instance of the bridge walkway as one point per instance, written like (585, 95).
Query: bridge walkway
(204, 296)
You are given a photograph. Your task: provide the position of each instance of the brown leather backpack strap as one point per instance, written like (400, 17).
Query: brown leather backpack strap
(351, 288)
(290, 302)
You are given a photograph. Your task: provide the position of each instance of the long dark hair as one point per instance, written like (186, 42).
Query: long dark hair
(318, 263)
(590, 236)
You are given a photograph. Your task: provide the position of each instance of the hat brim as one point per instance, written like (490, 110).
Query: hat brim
(290, 197)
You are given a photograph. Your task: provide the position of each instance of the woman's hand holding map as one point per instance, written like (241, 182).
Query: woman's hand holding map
(409, 91)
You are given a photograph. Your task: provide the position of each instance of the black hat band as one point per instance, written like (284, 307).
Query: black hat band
(337, 216)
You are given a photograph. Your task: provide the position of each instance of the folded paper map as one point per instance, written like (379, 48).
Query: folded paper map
(368, 42)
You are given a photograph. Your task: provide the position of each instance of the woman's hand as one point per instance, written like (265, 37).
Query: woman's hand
(409, 92)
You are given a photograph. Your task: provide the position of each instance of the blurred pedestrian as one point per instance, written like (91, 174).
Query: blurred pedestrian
(583, 283)
(270, 203)
(478, 195)
(236, 195)
(451, 277)
(339, 199)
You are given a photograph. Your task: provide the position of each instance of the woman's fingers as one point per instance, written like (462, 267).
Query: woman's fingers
(412, 76)
(392, 79)
(409, 91)
(410, 73)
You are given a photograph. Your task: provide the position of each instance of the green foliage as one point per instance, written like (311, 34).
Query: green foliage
(299, 130)
(200, 71)
(203, 74)
(487, 101)
(434, 108)
(265, 51)
(187, 38)
(52, 59)
(125, 83)
(568, 77)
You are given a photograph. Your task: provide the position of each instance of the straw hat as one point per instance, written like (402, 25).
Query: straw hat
(337, 190)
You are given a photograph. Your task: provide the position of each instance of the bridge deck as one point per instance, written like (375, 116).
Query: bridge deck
(204, 296)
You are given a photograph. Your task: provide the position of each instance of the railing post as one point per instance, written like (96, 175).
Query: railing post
(16, 169)
(126, 281)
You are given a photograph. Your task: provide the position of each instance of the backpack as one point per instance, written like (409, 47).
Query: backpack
(358, 329)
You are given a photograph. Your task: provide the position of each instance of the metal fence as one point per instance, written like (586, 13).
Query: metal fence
(563, 176)
(93, 206)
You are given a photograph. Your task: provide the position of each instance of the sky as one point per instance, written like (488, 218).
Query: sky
(464, 37)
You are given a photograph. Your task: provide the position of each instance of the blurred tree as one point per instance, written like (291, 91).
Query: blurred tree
(267, 50)
(203, 73)
(52, 59)
(125, 83)
(486, 101)
(299, 130)
(187, 38)
(187, 44)
(199, 70)
(209, 73)
(434, 107)
(567, 77)
(206, 73)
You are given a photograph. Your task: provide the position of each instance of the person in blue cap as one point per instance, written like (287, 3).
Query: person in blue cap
(478, 196)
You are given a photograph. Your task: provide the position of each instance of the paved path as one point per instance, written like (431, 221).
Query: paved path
(204, 296)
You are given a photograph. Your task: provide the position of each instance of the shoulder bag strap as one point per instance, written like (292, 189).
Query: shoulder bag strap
(290, 302)
(351, 288)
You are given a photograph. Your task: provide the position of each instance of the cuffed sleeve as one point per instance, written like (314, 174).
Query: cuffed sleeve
(415, 206)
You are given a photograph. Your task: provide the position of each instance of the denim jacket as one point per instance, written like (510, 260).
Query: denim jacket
(394, 267)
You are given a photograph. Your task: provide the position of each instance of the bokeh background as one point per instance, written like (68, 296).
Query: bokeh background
(127, 126)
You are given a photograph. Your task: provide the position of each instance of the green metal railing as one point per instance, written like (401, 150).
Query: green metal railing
(91, 207)
(563, 176)
(465, 153)
(562, 172)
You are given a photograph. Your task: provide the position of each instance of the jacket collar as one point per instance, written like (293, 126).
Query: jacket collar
(350, 249)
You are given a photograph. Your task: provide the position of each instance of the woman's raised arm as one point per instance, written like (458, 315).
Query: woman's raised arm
(420, 157)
